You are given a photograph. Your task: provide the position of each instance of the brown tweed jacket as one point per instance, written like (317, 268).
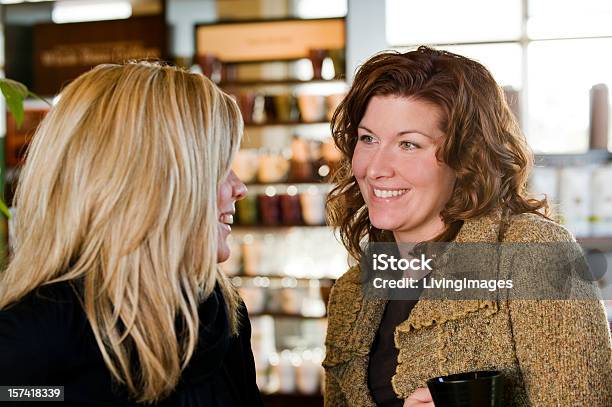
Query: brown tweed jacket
(552, 353)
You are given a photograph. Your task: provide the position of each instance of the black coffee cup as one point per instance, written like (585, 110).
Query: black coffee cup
(471, 389)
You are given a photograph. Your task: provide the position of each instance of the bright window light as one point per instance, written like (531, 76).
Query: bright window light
(73, 11)
(320, 8)
(412, 22)
(560, 75)
(568, 18)
(502, 60)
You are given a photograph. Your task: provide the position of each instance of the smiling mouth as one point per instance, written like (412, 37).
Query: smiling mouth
(389, 193)
(227, 219)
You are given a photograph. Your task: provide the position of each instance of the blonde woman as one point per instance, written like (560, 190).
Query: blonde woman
(123, 211)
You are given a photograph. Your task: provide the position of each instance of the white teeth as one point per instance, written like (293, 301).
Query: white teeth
(227, 219)
(383, 193)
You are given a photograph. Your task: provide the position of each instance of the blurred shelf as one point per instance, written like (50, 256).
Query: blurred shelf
(561, 160)
(286, 183)
(271, 82)
(283, 276)
(293, 400)
(271, 124)
(599, 242)
(260, 60)
(12, 174)
(283, 187)
(278, 228)
(35, 103)
(284, 315)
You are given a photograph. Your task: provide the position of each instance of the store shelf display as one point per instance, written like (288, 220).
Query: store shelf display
(302, 253)
(603, 243)
(285, 297)
(284, 259)
(290, 189)
(284, 108)
(309, 95)
(303, 162)
(259, 83)
(284, 276)
(294, 400)
(294, 371)
(581, 196)
(283, 205)
(18, 137)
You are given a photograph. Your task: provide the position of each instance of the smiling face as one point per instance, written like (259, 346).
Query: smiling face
(230, 191)
(402, 183)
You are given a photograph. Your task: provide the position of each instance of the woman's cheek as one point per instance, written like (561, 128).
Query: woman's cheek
(359, 163)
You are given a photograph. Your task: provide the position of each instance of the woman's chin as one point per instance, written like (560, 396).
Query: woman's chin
(223, 253)
(385, 225)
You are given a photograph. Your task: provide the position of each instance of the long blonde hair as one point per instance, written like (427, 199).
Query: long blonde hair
(119, 192)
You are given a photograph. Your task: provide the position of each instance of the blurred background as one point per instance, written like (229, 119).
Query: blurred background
(288, 63)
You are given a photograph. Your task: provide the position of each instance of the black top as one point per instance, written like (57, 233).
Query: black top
(383, 355)
(46, 339)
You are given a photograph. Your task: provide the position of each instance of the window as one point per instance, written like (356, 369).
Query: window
(451, 21)
(553, 53)
(569, 18)
(320, 8)
(560, 74)
(503, 60)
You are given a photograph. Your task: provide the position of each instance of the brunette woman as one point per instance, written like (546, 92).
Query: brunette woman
(432, 153)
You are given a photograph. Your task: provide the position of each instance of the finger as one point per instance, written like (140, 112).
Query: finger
(421, 394)
(416, 403)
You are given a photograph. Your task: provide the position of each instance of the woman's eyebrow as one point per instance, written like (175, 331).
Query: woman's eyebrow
(401, 133)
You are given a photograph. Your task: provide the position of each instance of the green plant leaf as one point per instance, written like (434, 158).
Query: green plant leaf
(14, 93)
(5, 210)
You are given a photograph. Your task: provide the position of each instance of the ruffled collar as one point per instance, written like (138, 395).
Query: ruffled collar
(355, 329)
(427, 311)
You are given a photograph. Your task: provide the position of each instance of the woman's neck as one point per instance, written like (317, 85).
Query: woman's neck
(420, 234)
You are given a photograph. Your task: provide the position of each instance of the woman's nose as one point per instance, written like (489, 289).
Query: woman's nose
(239, 190)
(381, 165)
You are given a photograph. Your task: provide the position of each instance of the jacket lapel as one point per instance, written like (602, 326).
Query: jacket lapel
(355, 326)
(360, 327)
(429, 311)
(351, 355)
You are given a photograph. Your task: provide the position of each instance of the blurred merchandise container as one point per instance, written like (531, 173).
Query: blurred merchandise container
(545, 180)
(575, 199)
(263, 344)
(602, 201)
(301, 252)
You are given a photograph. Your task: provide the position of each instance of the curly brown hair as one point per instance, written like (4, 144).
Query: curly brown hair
(483, 145)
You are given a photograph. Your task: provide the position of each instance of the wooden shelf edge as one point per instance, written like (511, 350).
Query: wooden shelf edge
(560, 160)
(290, 396)
(272, 82)
(281, 276)
(603, 243)
(286, 124)
(268, 228)
(285, 315)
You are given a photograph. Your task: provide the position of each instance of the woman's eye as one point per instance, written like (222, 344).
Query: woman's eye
(366, 138)
(408, 145)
